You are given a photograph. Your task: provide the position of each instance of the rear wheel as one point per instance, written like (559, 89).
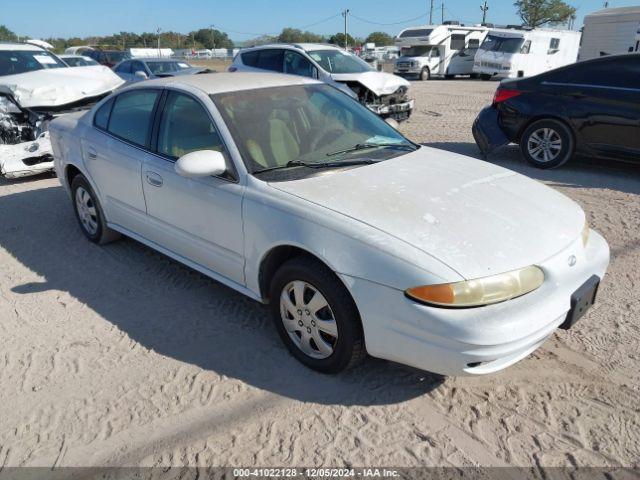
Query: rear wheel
(485, 76)
(547, 143)
(89, 212)
(425, 74)
(449, 77)
(315, 316)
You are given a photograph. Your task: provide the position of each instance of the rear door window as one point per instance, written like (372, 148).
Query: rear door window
(271, 59)
(131, 116)
(101, 118)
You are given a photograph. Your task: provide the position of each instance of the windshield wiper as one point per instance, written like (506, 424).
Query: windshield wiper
(363, 146)
(300, 163)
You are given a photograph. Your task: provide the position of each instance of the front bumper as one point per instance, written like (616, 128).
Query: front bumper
(27, 158)
(480, 340)
(397, 111)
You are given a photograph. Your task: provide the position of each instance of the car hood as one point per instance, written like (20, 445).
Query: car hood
(379, 83)
(59, 86)
(477, 218)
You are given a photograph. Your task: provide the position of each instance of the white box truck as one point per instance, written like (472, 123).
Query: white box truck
(523, 52)
(610, 31)
(437, 50)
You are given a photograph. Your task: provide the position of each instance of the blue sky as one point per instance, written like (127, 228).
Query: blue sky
(244, 19)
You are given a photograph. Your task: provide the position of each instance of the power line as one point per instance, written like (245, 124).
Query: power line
(392, 23)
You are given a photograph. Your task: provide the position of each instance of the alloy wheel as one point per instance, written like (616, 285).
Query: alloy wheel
(544, 145)
(308, 319)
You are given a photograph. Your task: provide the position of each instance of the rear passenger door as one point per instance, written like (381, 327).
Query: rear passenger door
(115, 149)
(199, 219)
(603, 98)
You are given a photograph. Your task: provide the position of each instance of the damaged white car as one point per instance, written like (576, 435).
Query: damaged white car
(36, 87)
(381, 92)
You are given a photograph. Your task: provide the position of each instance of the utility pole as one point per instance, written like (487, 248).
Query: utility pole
(606, 4)
(345, 14)
(159, 54)
(484, 9)
(442, 12)
(213, 41)
(431, 13)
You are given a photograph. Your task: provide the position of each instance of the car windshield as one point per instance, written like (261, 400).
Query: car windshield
(158, 68)
(495, 43)
(419, 51)
(337, 61)
(13, 62)
(79, 61)
(315, 125)
(115, 57)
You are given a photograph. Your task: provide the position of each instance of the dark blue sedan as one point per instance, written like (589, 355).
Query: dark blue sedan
(138, 69)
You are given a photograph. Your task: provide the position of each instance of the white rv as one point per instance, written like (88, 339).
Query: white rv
(610, 31)
(428, 51)
(522, 52)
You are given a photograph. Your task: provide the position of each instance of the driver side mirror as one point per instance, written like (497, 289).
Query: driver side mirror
(201, 163)
(140, 75)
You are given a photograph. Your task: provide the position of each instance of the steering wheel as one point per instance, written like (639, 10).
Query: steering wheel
(325, 135)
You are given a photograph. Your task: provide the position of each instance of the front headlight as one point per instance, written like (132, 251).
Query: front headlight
(585, 234)
(481, 291)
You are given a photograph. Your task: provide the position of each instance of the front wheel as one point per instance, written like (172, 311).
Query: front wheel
(425, 74)
(547, 143)
(315, 316)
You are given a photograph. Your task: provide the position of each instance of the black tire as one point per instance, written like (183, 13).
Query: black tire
(558, 132)
(425, 74)
(474, 76)
(449, 77)
(485, 76)
(102, 234)
(349, 347)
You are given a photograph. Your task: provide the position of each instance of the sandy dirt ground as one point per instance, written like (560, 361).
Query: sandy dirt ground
(117, 355)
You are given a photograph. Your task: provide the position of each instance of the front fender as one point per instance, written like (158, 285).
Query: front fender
(273, 218)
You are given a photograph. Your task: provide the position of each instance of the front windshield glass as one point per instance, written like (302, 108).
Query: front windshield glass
(337, 61)
(158, 68)
(494, 43)
(418, 51)
(22, 61)
(314, 124)
(115, 57)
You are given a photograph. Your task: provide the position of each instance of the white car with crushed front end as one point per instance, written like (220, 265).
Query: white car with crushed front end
(359, 240)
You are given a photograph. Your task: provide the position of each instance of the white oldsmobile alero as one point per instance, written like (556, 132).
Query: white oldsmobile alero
(359, 240)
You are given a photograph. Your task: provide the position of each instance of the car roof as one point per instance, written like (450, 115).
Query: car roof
(20, 46)
(211, 83)
(153, 59)
(308, 47)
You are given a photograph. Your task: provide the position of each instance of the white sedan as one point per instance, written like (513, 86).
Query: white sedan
(359, 240)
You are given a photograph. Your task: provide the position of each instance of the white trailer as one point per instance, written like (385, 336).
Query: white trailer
(610, 31)
(427, 51)
(522, 52)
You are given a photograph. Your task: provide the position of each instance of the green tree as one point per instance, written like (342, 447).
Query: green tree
(293, 35)
(7, 35)
(535, 13)
(381, 39)
(206, 39)
(338, 39)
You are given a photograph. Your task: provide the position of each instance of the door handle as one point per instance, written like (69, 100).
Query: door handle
(92, 154)
(154, 179)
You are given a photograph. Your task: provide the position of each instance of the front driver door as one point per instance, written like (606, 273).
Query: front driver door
(199, 219)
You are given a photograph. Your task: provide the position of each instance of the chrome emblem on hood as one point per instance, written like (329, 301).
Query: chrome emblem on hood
(572, 260)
